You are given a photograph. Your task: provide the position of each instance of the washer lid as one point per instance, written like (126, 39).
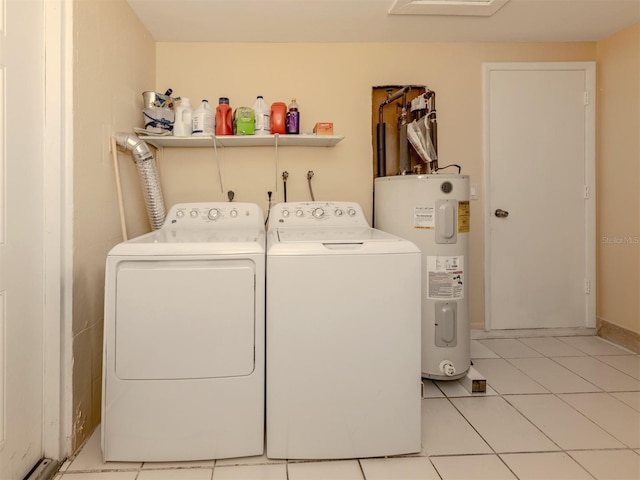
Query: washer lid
(328, 235)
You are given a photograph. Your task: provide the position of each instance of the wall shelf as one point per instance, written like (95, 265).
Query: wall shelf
(161, 141)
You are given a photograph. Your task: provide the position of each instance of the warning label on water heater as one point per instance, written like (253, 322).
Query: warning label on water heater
(424, 217)
(445, 275)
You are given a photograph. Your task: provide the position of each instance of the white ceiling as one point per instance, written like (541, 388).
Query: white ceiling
(369, 21)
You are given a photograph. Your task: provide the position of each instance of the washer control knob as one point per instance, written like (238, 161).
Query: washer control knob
(193, 213)
(285, 213)
(318, 212)
(299, 213)
(351, 212)
(234, 213)
(180, 213)
(338, 212)
(213, 214)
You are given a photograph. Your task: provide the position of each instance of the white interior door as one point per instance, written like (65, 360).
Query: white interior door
(540, 170)
(21, 235)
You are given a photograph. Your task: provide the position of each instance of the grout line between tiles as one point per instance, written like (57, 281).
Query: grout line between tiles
(68, 475)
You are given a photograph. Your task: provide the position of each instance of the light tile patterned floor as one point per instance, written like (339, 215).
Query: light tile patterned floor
(556, 408)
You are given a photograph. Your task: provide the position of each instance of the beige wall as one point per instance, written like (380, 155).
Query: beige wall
(114, 62)
(333, 82)
(618, 176)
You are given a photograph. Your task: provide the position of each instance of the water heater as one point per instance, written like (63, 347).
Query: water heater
(433, 212)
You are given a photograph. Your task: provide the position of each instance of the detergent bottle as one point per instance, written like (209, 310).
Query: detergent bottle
(293, 118)
(183, 123)
(224, 117)
(203, 119)
(278, 118)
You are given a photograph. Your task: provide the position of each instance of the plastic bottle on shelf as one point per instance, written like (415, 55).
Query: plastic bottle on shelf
(203, 119)
(293, 118)
(183, 123)
(263, 117)
(224, 117)
(278, 118)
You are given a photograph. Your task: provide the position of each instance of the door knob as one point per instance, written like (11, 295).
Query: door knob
(501, 213)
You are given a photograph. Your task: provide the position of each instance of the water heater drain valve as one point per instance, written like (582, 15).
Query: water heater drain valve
(447, 368)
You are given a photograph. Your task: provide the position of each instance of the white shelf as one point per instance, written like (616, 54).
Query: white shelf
(162, 141)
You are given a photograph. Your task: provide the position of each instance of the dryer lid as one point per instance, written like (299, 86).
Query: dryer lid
(193, 235)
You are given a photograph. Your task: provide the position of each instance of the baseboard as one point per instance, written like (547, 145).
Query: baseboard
(618, 335)
(531, 332)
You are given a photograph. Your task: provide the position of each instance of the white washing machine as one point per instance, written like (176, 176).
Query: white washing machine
(343, 335)
(183, 366)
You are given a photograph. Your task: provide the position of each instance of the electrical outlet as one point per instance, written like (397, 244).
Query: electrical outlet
(473, 191)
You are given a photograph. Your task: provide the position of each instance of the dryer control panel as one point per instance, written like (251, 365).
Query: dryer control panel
(214, 215)
(300, 214)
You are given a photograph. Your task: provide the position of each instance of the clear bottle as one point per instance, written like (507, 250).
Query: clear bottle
(224, 117)
(183, 123)
(293, 118)
(263, 117)
(203, 119)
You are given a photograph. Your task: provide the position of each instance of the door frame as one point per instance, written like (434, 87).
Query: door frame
(58, 229)
(589, 69)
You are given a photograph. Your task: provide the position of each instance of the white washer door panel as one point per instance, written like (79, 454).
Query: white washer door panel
(343, 355)
(184, 319)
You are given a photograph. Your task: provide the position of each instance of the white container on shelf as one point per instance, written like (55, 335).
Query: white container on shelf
(263, 117)
(204, 119)
(183, 123)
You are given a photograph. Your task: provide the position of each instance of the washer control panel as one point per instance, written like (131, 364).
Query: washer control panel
(317, 213)
(213, 214)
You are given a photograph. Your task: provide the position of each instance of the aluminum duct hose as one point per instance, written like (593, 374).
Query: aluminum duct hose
(145, 162)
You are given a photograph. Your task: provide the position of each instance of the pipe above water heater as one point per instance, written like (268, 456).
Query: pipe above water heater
(382, 130)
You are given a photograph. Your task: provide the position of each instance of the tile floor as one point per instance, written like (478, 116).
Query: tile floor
(556, 408)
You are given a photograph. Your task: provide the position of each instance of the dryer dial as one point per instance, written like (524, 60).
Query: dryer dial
(213, 214)
(318, 212)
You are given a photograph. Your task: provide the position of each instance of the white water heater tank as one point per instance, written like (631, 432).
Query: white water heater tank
(433, 212)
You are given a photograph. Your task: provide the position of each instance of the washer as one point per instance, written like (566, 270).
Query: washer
(343, 335)
(183, 366)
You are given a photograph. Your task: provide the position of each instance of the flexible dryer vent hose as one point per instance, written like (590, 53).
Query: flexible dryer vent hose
(145, 162)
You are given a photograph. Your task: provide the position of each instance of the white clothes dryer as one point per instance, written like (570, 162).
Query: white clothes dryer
(343, 335)
(183, 366)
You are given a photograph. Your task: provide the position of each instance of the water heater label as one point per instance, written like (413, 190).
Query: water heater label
(424, 217)
(446, 277)
(464, 216)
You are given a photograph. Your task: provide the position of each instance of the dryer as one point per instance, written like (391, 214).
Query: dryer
(343, 335)
(183, 366)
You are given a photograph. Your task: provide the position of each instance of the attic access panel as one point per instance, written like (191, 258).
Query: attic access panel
(446, 7)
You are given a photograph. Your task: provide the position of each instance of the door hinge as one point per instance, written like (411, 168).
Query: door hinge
(587, 98)
(587, 192)
(587, 287)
